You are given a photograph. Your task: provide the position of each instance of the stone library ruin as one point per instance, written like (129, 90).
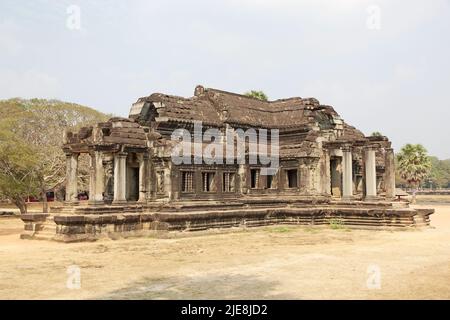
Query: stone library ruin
(326, 171)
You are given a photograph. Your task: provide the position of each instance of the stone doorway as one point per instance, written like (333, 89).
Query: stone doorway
(336, 176)
(133, 184)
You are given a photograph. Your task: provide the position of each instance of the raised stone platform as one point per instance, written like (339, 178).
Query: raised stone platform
(88, 223)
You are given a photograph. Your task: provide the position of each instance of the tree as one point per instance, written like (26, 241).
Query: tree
(260, 95)
(41, 124)
(414, 165)
(376, 134)
(17, 167)
(439, 176)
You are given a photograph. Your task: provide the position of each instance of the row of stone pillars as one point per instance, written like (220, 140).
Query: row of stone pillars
(370, 173)
(97, 178)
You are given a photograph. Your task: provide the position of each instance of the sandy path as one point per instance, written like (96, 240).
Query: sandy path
(275, 262)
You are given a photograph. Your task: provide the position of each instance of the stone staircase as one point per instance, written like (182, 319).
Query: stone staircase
(47, 230)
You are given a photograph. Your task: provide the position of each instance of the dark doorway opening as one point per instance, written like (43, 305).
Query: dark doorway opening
(269, 181)
(292, 178)
(133, 184)
(336, 177)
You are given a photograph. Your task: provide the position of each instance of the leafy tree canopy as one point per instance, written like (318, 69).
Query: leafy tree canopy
(17, 164)
(439, 176)
(36, 127)
(257, 95)
(414, 165)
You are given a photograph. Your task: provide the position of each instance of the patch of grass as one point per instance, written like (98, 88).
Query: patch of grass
(336, 223)
(280, 229)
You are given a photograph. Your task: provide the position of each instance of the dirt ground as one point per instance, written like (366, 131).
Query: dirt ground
(281, 262)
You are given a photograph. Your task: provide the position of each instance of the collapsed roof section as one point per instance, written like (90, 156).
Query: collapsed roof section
(113, 134)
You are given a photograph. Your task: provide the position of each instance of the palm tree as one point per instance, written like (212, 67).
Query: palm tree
(414, 165)
(257, 95)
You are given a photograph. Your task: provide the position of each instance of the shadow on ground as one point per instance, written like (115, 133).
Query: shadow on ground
(199, 287)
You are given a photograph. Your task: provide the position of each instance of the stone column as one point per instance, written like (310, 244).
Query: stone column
(97, 178)
(120, 172)
(108, 162)
(347, 174)
(91, 177)
(143, 163)
(242, 172)
(72, 178)
(168, 181)
(325, 173)
(305, 176)
(389, 173)
(370, 174)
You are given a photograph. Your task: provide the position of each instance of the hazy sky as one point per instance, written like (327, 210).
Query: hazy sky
(383, 64)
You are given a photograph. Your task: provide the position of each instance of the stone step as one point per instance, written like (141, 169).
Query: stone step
(48, 229)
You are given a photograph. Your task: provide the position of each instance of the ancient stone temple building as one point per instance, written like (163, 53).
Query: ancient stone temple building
(326, 170)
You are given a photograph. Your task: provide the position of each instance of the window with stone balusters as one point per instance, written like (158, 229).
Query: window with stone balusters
(187, 181)
(228, 181)
(208, 182)
(254, 178)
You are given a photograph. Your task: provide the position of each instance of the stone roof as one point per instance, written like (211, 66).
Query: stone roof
(183, 109)
(301, 121)
(351, 134)
(217, 107)
(116, 131)
(124, 131)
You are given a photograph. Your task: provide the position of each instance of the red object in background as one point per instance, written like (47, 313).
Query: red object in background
(32, 199)
(50, 198)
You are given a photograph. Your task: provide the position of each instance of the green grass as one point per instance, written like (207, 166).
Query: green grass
(336, 223)
(281, 229)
